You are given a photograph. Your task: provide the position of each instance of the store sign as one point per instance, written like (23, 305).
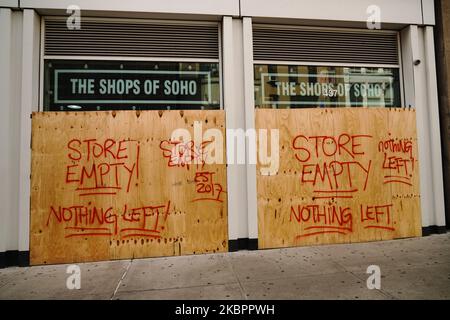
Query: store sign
(131, 86)
(329, 89)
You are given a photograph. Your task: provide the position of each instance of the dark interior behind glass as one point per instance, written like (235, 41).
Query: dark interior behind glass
(287, 86)
(80, 85)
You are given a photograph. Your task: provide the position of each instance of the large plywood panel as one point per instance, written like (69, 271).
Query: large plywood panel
(114, 185)
(345, 175)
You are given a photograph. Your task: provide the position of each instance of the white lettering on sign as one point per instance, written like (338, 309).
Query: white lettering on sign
(180, 87)
(309, 89)
(128, 86)
(151, 86)
(82, 86)
(285, 88)
(120, 86)
(368, 90)
(371, 88)
(132, 86)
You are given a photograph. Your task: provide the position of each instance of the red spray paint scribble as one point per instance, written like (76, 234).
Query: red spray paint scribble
(402, 146)
(327, 219)
(376, 213)
(329, 227)
(380, 227)
(86, 228)
(398, 181)
(86, 219)
(328, 146)
(398, 177)
(184, 154)
(205, 185)
(392, 179)
(139, 229)
(87, 235)
(101, 166)
(333, 197)
(97, 194)
(334, 194)
(334, 191)
(335, 175)
(377, 216)
(398, 158)
(322, 215)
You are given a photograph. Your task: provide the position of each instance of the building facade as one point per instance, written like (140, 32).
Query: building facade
(216, 55)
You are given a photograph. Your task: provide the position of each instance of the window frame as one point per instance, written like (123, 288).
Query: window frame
(398, 66)
(44, 57)
(338, 65)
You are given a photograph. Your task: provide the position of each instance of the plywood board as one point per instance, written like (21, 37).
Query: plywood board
(345, 175)
(114, 185)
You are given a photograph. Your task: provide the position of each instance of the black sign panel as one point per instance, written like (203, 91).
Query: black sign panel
(80, 86)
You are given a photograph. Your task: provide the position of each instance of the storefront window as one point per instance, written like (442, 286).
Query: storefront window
(130, 85)
(284, 86)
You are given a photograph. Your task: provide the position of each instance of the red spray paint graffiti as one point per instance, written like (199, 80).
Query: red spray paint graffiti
(102, 167)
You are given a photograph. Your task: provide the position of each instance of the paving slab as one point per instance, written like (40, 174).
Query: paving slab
(276, 263)
(98, 281)
(229, 291)
(7, 274)
(329, 286)
(424, 283)
(178, 272)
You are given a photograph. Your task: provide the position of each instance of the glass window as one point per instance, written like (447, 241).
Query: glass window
(284, 86)
(130, 85)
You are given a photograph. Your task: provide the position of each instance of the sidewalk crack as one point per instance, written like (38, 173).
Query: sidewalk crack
(383, 292)
(121, 279)
(241, 288)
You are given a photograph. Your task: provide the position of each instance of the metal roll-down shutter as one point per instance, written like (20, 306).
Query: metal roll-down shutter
(139, 39)
(275, 43)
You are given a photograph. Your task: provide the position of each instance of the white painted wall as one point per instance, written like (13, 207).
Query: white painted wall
(207, 7)
(398, 11)
(9, 3)
(233, 92)
(10, 66)
(5, 134)
(14, 120)
(249, 104)
(421, 93)
(407, 41)
(428, 12)
(395, 12)
(435, 133)
(29, 103)
(423, 126)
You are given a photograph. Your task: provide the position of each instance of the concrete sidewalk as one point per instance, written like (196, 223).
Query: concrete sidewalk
(416, 268)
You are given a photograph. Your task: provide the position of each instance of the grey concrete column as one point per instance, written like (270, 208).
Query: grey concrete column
(235, 120)
(30, 100)
(435, 135)
(420, 86)
(249, 100)
(5, 142)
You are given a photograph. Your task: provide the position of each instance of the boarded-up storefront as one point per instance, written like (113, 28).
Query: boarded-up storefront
(345, 175)
(115, 185)
(109, 183)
